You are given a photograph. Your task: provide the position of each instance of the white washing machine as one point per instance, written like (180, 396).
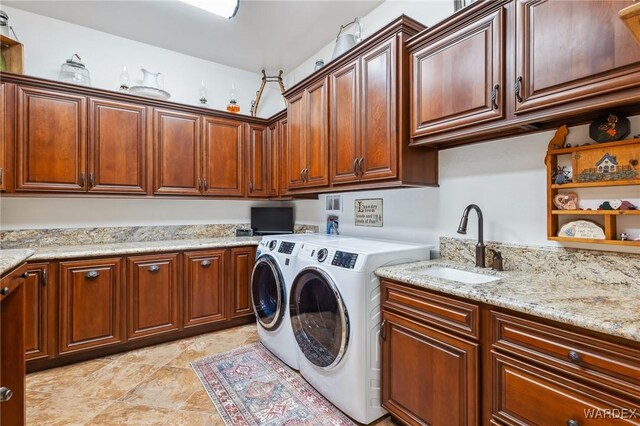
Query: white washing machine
(271, 280)
(335, 315)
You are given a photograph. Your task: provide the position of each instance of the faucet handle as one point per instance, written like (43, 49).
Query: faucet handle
(496, 263)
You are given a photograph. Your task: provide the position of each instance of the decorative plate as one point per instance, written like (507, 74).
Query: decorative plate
(149, 92)
(582, 229)
(609, 128)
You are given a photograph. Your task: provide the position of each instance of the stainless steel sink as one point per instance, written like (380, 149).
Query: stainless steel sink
(457, 275)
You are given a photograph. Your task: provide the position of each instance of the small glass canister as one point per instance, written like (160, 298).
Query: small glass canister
(73, 71)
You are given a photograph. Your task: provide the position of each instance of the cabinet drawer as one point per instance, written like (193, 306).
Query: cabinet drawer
(606, 363)
(526, 395)
(450, 314)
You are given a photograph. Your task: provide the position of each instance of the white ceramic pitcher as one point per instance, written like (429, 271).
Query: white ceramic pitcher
(151, 79)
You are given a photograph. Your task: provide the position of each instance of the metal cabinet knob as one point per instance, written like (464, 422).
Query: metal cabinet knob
(24, 275)
(91, 274)
(572, 422)
(574, 356)
(205, 263)
(154, 268)
(4, 291)
(5, 394)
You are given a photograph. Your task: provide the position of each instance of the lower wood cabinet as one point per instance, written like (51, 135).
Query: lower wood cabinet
(242, 259)
(37, 310)
(90, 306)
(153, 295)
(204, 287)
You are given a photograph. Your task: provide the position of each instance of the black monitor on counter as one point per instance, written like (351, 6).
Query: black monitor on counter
(271, 220)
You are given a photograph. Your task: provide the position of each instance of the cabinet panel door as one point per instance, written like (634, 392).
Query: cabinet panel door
(379, 122)
(117, 147)
(153, 295)
(36, 316)
(345, 120)
(242, 260)
(568, 50)
(317, 134)
(176, 153)
(90, 305)
(204, 287)
(223, 161)
(428, 377)
(454, 78)
(274, 160)
(52, 141)
(257, 161)
(295, 145)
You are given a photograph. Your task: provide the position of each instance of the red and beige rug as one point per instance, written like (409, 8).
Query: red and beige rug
(250, 386)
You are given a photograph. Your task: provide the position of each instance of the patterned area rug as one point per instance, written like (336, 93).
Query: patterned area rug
(250, 386)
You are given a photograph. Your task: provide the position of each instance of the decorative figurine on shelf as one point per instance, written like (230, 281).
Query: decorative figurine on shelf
(617, 205)
(124, 80)
(624, 236)
(609, 128)
(561, 175)
(332, 225)
(203, 94)
(233, 106)
(568, 201)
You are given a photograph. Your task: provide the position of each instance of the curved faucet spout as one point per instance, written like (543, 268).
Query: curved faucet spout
(462, 229)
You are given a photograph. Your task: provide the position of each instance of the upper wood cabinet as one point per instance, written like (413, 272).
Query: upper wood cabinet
(117, 147)
(257, 161)
(345, 123)
(275, 139)
(459, 79)
(597, 55)
(223, 157)
(177, 153)
(51, 148)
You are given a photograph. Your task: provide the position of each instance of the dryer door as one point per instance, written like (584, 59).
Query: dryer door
(319, 317)
(268, 293)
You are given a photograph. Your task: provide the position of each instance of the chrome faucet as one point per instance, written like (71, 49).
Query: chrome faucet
(462, 229)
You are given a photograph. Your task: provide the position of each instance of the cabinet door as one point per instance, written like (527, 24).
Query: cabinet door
(273, 177)
(223, 161)
(257, 161)
(117, 147)
(345, 121)
(242, 260)
(3, 129)
(153, 294)
(176, 153)
(317, 134)
(295, 146)
(90, 304)
(454, 78)
(598, 54)
(52, 141)
(204, 287)
(36, 318)
(379, 155)
(428, 377)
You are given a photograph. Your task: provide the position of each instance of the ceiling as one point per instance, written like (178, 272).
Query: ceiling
(264, 34)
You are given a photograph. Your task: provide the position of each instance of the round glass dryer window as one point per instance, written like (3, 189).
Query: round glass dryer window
(319, 318)
(267, 292)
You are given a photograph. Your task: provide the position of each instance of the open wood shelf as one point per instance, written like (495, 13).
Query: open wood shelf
(613, 160)
(597, 212)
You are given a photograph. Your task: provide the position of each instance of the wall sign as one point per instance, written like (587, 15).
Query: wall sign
(368, 212)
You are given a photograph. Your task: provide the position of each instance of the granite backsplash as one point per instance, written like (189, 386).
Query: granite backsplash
(599, 266)
(34, 238)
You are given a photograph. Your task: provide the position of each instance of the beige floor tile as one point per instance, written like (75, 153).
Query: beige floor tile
(129, 414)
(253, 338)
(65, 410)
(202, 348)
(157, 355)
(82, 369)
(113, 381)
(51, 381)
(34, 398)
(168, 387)
(199, 401)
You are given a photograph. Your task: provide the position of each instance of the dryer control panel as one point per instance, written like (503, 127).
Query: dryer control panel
(286, 247)
(344, 259)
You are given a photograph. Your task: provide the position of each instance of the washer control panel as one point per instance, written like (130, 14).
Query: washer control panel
(286, 247)
(344, 259)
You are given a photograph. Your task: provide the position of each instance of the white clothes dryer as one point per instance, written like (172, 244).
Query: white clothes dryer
(335, 316)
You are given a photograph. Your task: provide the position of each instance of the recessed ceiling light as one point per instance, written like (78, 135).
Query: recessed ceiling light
(225, 8)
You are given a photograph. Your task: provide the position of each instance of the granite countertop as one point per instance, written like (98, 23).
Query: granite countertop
(599, 306)
(108, 249)
(9, 259)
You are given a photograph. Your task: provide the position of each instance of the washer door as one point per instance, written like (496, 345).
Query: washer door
(319, 317)
(268, 293)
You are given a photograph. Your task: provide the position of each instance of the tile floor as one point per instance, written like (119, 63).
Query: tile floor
(148, 386)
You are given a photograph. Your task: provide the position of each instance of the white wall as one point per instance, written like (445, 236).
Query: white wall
(50, 42)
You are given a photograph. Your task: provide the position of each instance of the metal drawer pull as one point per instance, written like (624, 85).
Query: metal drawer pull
(91, 274)
(494, 96)
(4, 291)
(82, 180)
(360, 165)
(205, 263)
(199, 184)
(44, 277)
(572, 422)
(24, 275)
(91, 179)
(5, 394)
(383, 330)
(205, 185)
(517, 89)
(355, 166)
(154, 268)
(250, 185)
(574, 356)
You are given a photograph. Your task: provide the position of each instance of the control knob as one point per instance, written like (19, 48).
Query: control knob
(272, 245)
(322, 255)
